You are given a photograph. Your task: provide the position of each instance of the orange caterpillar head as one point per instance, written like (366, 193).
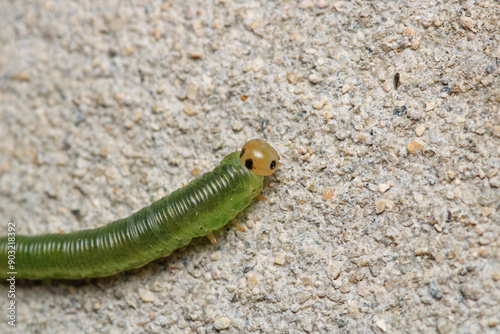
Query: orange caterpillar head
(259, 157)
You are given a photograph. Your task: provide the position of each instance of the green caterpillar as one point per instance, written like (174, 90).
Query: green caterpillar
(205, 204)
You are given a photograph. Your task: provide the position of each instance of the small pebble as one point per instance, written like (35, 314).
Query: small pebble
(137, 115)
(280, 259)
(21, 76)
(328, 193)
(415, 146)
(439, 257)
(496, 131)
(196, 54)
(146, 295)
(345, 88)
(295, 308)
(487, 211)
(222, 323)
(292, 77)
(157, 32)
(302, 296)
(333, 270)
(252, 280)
(467, 23)
(192, 90)
(471, 291)
(381, 325)
(382, 204)
(443, 326)
(315, 78)
(493, 322)
(435, 291)
(495, 182)
(319, 104)
(415, 44)
(237, 125)
(257, 65)
(422, 251)
(195, 171)
(383, 187)
(189, 109)
(305, 5)
(419, 130)
(430, 106)
(410, 31)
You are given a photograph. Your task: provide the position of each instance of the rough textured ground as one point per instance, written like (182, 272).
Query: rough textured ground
(384, 218)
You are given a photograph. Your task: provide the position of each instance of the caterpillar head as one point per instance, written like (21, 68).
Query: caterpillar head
(259, 157)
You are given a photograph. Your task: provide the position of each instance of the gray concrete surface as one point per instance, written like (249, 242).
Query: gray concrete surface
(384, 218)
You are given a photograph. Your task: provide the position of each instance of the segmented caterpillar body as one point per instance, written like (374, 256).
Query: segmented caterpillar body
(205, 204)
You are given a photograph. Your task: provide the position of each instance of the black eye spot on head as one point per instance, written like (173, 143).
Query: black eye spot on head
(249, 164)
(242, 152)
(273, 164)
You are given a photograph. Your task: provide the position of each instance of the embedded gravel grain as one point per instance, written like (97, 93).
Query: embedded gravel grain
(384, 218)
